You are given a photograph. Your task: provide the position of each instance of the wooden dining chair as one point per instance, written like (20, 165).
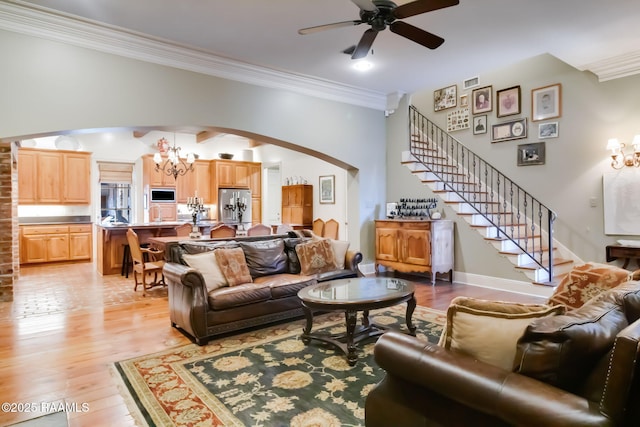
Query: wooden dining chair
(259, 230)
(153, 264)
(331, 229)
(222, 230)
(318, 227)
(184, 230)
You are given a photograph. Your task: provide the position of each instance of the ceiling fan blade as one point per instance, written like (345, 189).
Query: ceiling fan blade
(421, 6)
(366, 5)
(415, 34)
(328, 27)
(364, 45)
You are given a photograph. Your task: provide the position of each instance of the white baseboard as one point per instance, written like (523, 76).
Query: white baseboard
(517, 286)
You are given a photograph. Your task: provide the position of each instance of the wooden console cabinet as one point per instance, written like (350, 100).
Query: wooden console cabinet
(297, 205)
(415, 246)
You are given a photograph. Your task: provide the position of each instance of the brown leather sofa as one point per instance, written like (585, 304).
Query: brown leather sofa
(577, 369)
(270, 297)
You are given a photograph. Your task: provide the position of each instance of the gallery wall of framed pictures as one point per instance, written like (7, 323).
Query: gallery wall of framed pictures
(476, 106)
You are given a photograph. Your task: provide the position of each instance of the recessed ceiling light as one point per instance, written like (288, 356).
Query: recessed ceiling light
(363, 65)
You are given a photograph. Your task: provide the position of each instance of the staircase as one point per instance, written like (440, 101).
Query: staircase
(516, 224)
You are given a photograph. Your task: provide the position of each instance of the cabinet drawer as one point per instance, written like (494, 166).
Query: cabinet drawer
(45, 229)
(80, 228)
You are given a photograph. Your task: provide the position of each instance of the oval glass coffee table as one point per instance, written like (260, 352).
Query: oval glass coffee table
(351, 296)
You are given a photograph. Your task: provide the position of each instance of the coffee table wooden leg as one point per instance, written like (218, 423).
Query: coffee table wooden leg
(411, 306)
(352, 320)
(365, 319)
(308, 314)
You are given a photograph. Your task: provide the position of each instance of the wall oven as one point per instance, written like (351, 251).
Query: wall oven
(163, 195)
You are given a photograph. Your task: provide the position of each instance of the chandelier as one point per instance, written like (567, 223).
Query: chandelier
(174, 165)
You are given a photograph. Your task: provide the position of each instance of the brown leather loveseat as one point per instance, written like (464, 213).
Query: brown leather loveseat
(268, 295)
(576, 369)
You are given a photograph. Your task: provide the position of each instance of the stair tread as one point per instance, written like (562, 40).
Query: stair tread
(534, 266)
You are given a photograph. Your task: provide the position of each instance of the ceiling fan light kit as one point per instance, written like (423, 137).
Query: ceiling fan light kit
(380, 14)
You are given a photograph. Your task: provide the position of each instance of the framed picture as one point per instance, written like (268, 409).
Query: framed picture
(327, 187)
(458, 120)
(531, 154)
(464, 100)
(444, 98)
(548, 130)
(508, 101)
(480, 124)
(515, 129)
(482, 100)
(546, 102)
(472, 82)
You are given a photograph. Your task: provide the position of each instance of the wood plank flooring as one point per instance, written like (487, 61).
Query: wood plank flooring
(67, 325)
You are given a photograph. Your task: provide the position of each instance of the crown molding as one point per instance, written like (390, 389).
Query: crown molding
(615, 67)
(20, 17)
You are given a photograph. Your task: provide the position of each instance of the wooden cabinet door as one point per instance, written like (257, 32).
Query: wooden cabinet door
(57, 247)
(80, 242)
(256, 210)
(77, 178)
(185, 187)
(27, 177)
(202, 178)
(387, 244)
(255, 179)
(224, 174)
(242, 175)
(50, 177)
(34, 249)
(416, 247)
(163, 212)
(154, 178)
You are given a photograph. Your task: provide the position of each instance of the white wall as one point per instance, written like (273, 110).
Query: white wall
(57, 88)
(592, 112)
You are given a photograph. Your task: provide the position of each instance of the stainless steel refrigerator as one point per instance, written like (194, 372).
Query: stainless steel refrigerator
(234, 206)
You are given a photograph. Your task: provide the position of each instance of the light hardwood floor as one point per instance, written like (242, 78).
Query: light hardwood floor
(67, 325)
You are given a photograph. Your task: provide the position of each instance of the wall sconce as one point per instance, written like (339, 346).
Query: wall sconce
(174, 165)
(618, 158)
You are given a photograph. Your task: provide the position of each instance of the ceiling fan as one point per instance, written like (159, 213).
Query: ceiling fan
(382, 13)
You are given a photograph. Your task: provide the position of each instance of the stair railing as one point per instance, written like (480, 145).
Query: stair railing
(515, 214)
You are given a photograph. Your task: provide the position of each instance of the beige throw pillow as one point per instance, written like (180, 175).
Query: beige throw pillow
(489, 330)
(340, 248)
(207, 265)
(233, 266)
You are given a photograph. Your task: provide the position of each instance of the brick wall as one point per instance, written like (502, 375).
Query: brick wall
(9, 259)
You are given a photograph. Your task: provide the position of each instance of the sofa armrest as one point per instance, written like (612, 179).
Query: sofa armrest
(188, 304)
(514, 398)
(352, 259)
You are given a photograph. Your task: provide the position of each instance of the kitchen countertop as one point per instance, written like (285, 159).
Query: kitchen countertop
(161, 224)
(54, 220)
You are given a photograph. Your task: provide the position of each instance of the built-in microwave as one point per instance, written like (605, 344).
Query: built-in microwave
(163, 195)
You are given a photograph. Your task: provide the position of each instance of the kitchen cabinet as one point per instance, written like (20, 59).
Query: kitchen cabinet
(230, 174)
(162, 212)
(76, 173)
(197, 181)
(297, 205)
(415, 246)
(53, 243)
(154, 178)
(54, 177)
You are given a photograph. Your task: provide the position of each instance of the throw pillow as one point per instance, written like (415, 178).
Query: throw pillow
(489, 330)
(207, 265)
(265, 257)
(316, 257)
(233, 266)
(586, 281)
(340, 248)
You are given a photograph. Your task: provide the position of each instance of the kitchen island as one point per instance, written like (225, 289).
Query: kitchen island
(112, 238)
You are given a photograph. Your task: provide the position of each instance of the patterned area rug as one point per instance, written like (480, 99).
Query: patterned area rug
(268, 377)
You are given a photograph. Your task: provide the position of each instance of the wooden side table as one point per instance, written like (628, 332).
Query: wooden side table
(613, 252)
